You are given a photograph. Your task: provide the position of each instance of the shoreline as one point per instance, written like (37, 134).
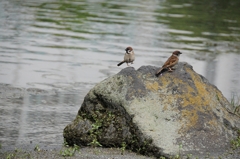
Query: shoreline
(52, 152)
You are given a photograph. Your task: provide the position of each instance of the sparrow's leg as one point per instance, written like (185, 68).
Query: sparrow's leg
(169, 69)
(127, 64)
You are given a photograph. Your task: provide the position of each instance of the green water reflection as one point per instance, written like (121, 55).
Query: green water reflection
(209, 21)
(212, 19)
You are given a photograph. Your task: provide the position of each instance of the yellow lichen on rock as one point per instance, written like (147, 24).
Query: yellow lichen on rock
(152, 86)
(194, 97)
(192, 119)
(197, 97)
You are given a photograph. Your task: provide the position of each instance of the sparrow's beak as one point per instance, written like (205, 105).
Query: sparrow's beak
(180, 53)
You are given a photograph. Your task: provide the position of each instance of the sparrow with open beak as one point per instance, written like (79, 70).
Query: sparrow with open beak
(172, 61)
(129, 56)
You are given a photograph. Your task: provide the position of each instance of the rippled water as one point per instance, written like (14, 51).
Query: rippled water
(52, 52)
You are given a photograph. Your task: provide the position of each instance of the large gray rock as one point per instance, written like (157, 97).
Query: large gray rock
(177, 113)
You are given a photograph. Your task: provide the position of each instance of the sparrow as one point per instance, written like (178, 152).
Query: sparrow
(129, 56)
(172, 61)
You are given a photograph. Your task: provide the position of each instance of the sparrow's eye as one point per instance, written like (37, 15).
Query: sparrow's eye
(128, 50)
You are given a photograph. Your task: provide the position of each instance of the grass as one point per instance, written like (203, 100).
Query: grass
(236, 142)
(123, 148)
(18, 153)
(69, 151)
(37, 148)
(235, 103)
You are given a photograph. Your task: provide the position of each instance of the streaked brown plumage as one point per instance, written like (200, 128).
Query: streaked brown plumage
(172, 61)
(129, 56)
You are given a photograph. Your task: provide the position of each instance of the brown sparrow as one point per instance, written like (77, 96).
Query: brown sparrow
(129, 56)
(172, 60)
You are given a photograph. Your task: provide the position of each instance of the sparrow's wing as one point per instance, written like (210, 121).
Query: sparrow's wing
(167, 62)
(172, 60)
(132, 57)
(126, 57)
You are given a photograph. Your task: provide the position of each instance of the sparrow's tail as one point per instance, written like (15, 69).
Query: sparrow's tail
(120, 63)
(159, 71)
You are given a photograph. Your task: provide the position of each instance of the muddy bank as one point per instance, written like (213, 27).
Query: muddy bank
(85, 153)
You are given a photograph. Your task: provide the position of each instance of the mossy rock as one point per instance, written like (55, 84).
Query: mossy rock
(177, 112)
